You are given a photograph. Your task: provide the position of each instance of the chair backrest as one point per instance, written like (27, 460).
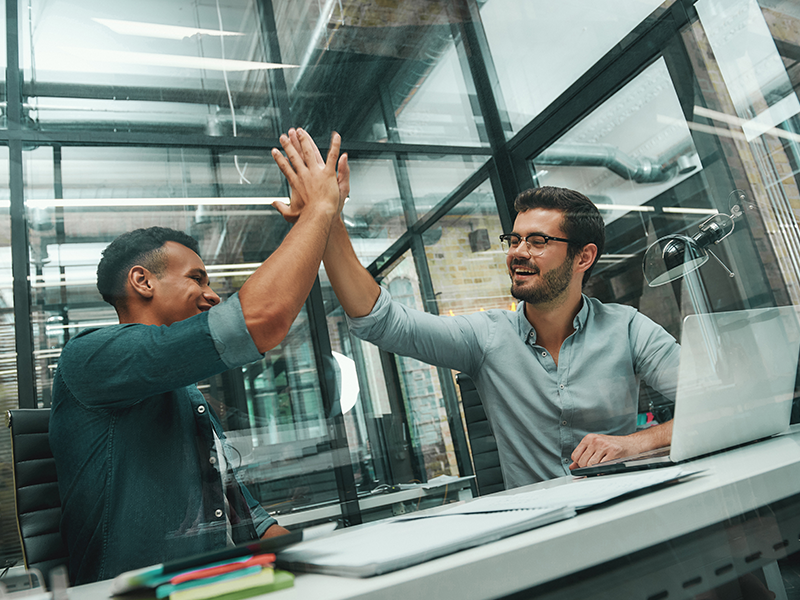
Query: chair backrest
(38, 504)
(485, 457)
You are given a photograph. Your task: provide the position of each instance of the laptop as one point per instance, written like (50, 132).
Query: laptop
(736, 382)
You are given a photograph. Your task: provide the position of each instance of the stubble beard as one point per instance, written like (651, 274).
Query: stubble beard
(550, 289)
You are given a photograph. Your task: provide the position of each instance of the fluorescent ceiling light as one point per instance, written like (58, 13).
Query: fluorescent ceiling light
(134, 202)
(169, 60)
(690, 211)
(625, 207)
(156, 30)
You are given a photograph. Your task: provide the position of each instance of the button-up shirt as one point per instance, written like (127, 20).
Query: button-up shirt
(133, 441)
(539, 411)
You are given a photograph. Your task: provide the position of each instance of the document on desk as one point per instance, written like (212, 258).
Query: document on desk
(385, 546)
(577, 494)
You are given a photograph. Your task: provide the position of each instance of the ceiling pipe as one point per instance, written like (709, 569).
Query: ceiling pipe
(640, 170)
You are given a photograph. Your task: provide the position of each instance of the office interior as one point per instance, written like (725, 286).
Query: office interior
(119, 115)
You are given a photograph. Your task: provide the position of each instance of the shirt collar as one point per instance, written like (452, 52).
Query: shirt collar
(583, 314)
(526, 330)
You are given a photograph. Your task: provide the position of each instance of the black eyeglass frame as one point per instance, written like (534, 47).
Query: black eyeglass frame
(506, 237)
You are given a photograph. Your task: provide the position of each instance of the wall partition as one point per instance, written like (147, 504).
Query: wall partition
(672, 117)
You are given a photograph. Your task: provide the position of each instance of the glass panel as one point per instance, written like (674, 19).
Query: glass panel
(388, 193)
(432, 178)
(196, 67)
(421, 387)
(377, 72)
(466, 263)
(577, 33)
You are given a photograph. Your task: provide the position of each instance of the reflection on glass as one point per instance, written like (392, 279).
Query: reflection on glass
(388, 193)
(577, 33)
(633, 148)
(432, 178)
(377, 71)
(466, 263)
(200, 67)
(422, 390)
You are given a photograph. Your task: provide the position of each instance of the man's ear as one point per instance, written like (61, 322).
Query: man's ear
(585, 258)
(141, 281)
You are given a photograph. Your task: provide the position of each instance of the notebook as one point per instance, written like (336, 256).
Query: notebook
(736, 382)
(392, 544)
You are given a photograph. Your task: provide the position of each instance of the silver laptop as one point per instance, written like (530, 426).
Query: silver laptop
(735, 385)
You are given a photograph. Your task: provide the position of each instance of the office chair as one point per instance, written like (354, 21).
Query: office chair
(36, 497)
(485, 457)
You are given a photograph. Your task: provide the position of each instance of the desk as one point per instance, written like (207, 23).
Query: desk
(741, 513)
(382, 506)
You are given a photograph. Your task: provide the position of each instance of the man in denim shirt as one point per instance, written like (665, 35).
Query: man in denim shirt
(142, 475)
(559, 377)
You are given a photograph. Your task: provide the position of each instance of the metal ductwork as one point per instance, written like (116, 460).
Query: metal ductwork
(640, 170)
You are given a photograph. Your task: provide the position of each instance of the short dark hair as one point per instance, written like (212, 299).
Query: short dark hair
(582, 222)
(143, 247)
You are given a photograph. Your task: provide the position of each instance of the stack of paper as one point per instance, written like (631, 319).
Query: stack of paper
(394, 544)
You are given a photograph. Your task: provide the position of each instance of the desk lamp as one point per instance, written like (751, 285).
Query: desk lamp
(673, 256)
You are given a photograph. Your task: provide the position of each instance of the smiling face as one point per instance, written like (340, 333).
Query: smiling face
(182, 290)
(543, 279)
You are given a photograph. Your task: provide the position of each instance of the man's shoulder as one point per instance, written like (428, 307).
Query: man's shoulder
(600, 308)
(91, 340)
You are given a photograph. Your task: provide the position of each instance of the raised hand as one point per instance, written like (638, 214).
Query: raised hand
(311, 178)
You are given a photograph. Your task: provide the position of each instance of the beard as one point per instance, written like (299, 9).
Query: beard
(553, 284)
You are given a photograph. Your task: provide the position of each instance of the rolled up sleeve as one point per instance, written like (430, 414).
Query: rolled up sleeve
(229, 332)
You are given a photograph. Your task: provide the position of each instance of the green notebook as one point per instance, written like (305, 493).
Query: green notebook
(243, 587)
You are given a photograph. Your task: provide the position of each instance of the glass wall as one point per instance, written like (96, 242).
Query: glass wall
(164, 113)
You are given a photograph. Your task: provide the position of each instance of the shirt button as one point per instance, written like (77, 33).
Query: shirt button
(561, 386)
(563, 422)
(218, 512)
(566, 460)
(201, 409)
(212, 460)
(544, 353)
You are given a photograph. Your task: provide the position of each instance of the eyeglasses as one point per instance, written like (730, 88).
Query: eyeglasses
(535, 242)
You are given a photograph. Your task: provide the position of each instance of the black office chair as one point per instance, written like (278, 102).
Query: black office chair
(485, 457)
(36, 497)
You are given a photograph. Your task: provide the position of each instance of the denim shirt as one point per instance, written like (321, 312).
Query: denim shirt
(539, 411)
(133, 442)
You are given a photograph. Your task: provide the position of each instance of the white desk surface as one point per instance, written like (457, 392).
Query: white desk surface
(733, 483)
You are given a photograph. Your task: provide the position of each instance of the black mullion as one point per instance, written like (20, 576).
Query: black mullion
(355, 148)
(23, 331)
(510, 178)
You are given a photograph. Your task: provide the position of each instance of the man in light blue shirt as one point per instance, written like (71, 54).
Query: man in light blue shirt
(560, 377)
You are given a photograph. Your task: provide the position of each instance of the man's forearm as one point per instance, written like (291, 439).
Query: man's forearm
(274, 295)
(353, 285)
(654, 437)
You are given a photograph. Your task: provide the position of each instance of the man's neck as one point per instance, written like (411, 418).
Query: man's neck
(553, 321)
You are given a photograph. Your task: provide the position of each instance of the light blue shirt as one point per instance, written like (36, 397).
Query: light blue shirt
(539, 412)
